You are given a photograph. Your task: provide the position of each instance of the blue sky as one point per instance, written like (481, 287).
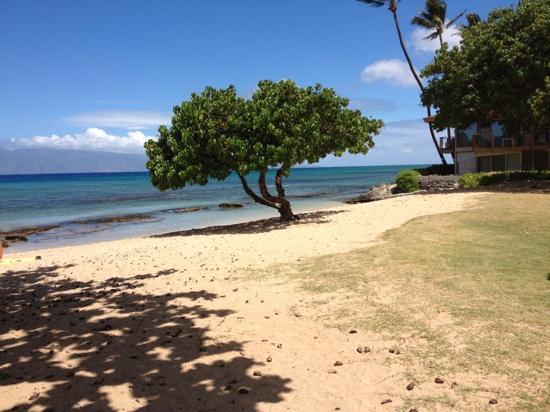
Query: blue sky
(103, 74)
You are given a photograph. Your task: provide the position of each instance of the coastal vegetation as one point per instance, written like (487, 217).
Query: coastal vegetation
(217, 133)
(437, 169)
(408, 181)
(500, 71)
(473, 180)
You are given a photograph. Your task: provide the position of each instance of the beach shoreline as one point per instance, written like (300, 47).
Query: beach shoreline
(266, 225)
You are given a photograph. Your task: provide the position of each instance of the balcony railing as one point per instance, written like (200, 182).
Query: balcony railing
(527, 140)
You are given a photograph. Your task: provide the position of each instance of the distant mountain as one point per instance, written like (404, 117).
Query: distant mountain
(37, 161)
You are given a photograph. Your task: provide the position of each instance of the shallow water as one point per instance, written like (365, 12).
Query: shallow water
(33, 200)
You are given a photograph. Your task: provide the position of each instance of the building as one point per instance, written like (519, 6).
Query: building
(488, 148)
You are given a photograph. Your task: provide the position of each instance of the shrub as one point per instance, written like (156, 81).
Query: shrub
(441, 170)
(408, 181)
(470, 180)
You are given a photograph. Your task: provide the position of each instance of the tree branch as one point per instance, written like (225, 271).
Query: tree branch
(279, 183)
(253, 195)
(265, 192)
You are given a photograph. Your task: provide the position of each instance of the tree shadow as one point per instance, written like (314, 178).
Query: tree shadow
(257, 226)
(89, 344)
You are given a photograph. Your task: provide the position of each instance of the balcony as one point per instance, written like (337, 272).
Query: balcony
(480, 142)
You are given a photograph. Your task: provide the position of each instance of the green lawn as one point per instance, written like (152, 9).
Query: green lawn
(467, 294)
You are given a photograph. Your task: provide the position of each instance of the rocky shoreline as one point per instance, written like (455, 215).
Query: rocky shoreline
(22, 234)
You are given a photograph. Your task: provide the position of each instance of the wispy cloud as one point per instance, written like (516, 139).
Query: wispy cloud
(400, 142)
(373, 105)
(129, 120)
(92, 139)
(419, 42)
(392, 71)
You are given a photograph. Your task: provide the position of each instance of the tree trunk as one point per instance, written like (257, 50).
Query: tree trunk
(441, 46)
(393, 9)
(253, 195)
(279, 183)
(286, 212)
(282, 205)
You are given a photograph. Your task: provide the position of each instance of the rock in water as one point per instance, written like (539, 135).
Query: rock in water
(188, 209)
(230, 205)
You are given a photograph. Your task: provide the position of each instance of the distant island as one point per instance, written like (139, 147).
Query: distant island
(38, 161)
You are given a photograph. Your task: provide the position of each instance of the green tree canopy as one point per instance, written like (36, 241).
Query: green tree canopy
(217, 133)
(500, 71)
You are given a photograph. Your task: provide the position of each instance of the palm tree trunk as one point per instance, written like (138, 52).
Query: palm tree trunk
(417, 78)
(440, 34)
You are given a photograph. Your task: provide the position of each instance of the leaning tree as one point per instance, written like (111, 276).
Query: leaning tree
(217, 133)
(434, 18)
(392, 7)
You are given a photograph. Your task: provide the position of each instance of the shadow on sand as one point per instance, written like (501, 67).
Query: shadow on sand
(76, 342)
(256, 226)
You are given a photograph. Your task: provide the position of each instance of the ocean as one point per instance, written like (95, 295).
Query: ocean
(65, 200)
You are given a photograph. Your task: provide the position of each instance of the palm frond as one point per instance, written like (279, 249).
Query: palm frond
(436, 8)
(453, 21)
(374, 3)
(432, 36)
(421, 21)
(473, 19)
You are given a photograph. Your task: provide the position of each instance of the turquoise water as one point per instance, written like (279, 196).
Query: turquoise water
(31, 200)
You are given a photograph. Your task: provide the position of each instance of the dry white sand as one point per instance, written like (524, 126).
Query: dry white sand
(183, 327)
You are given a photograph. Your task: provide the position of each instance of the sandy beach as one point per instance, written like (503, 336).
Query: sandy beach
(183, 323)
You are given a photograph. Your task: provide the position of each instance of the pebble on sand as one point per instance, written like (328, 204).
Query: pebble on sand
(243, 390)
(386, 401)
(410, 386)
(493, 401)
(439, 381)
(338, 363)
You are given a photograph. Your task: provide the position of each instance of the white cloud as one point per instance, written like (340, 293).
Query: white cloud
(400, 142)
(92, 139)
(130, 120)
(421, 44)
(393, 71)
